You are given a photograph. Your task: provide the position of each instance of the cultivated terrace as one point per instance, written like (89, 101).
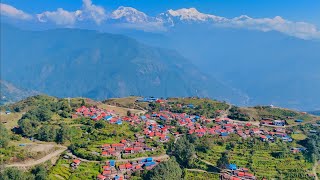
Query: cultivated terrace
(43, 137)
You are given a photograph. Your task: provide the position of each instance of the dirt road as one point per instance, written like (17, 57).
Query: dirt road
(161, 157)
(39, 161)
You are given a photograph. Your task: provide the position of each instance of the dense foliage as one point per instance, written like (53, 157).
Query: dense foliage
(4, 136)
(37, 173)
(194, 106)
(166, 170)
(184, 151)
(37, 122)
(235, 113)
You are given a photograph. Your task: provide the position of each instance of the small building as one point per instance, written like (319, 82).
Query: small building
(190, 106)
(112, 163)
(279, 122)
(232, 166)
(75, 163)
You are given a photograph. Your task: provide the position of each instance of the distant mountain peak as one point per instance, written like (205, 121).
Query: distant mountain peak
(190, 15)
(129, 14)
(242, 18)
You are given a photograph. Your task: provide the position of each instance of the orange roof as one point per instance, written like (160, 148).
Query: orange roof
(248, 174)
(106, 172)
(241, 174)
(77, 161)
(106, 167)
(117, 145)
(128, 165)
(100, 176)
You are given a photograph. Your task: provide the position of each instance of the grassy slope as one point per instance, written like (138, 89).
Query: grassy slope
(259, 112)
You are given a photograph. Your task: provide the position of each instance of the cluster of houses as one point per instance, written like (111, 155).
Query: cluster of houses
(113, 171)
(272, 122)
(234, 173)
(96, 114)
(224, 127)
(154, 130)
(110, 116)
(125, 147)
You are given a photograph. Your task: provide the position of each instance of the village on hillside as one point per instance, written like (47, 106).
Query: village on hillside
(158, 125)
(114, 141)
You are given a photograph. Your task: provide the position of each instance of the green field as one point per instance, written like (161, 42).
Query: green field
(262, 159)
(62, 170)
(192, 175)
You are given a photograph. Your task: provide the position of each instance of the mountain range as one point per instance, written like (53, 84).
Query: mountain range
(270, 67)
(263, 60)
(10, 93)
(75, 62)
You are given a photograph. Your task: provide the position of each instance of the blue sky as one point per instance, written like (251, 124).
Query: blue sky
(298, 18)
(295, 10)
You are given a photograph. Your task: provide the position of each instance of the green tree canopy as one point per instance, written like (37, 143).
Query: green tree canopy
(184, 151)
(15, 174)
(166, 170)
(4, 136)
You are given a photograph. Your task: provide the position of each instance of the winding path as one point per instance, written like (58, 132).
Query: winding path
(39, 161)
(160, 157)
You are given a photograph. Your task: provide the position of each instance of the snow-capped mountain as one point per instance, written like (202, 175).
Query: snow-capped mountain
(192, 14)
(130, 15)
(169, 18)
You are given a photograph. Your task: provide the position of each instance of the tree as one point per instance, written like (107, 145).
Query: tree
(223, 161)
(100, 125)
(63, 134)
(166, 170)
(4, 136)
(39, 172)
(204, 144)
(27, 127)
(128, 113)
(44, 114)
(47, 133)
(83, 103)
(184, 151)
(15, 174)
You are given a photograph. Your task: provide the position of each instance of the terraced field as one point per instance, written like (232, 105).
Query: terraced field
(264, 160)
(194, 175)
(62, 170)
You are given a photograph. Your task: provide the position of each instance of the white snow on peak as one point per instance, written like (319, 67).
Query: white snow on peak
(192, 14)
(130, 15)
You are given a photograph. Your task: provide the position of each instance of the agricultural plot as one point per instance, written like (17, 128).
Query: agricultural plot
(263, 160)
(63, 171)
(194, 175)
